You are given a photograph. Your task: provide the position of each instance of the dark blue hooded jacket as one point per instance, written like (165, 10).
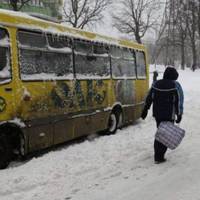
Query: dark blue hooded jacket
(167, 97)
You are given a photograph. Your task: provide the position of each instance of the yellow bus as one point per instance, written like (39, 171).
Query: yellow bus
(59, 83)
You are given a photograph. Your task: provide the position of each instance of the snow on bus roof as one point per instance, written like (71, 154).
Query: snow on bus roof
(57, 28)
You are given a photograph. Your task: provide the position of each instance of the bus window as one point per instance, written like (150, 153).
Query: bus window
(116, 52)
(5, 69)
(141, 66)
(124, 67)
(39, 65)
(93, 65)
(32, 39)
(45, 63)
(100, 49)
(59, 42)
(84, 47)
(3, 34)
(128, 54)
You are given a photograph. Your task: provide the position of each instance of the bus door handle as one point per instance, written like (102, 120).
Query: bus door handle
(8, 89)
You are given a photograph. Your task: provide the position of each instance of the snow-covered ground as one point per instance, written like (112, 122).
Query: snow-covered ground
(116, 167)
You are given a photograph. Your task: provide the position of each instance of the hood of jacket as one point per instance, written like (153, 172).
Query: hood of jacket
(170, 74)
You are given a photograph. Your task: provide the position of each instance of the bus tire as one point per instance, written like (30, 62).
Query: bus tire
(120, 120)
(112, 123)
(5, 151)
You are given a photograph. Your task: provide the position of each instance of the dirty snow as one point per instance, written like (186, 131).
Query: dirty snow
(116, 167)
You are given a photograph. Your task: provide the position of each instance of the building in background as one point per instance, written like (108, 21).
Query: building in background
(51, 8)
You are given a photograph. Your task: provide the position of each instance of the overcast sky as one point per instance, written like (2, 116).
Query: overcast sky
(106, 26)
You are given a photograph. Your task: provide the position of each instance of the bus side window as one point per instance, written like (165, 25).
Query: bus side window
(123, 63)
(59, 42)
(5, 69)
(91, 60)
(83, 46)
(100, 49)
(3, 59)
(116, 61)
(116, 52)
(102, 62)
(141, 66)
(129, 63)
(31, 47)
(60, 57)
(32, 39)
(3, 35)
(50, 59)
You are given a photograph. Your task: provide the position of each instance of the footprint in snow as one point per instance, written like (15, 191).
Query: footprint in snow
(68, 198)
(115, 175)
(75, 191)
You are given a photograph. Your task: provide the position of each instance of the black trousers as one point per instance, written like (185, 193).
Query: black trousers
(159, 148)
(159, 151)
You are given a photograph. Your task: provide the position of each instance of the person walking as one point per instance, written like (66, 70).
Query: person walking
(167, 98)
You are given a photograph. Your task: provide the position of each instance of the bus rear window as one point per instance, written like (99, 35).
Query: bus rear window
(5, 69)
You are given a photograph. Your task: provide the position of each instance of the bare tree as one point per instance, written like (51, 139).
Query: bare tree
(181, 33)
(136, 17)
(80, 13)
(159, 43)
(18, 4)
(55, 7)
(198, 8)
(181, 24)
(170, 37)
(175, 36)
(192, 30)
(182, 28)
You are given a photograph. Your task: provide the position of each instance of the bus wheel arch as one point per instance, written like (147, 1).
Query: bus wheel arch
(11, 141)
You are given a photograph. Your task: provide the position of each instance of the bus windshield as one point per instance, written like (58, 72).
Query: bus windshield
(5, 73)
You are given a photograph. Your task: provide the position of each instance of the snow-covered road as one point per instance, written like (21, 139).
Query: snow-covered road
(116, 167)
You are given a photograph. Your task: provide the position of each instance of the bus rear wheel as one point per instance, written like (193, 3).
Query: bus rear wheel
(112, 123)
(5, 152)
(120, 120)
